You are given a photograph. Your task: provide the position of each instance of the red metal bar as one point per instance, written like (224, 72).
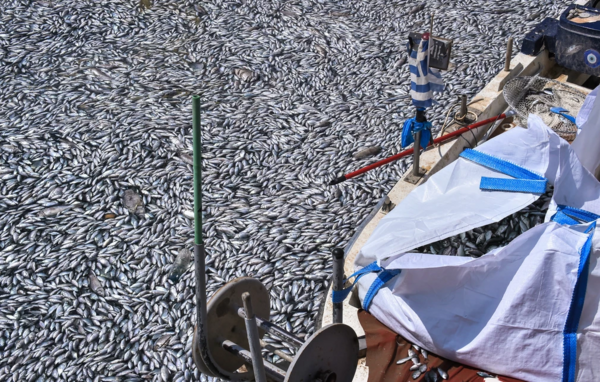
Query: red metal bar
(404, 153)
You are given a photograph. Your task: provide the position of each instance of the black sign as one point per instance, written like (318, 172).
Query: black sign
(439, 54)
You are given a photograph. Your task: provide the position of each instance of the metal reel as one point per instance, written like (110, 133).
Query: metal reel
(224, 323)
(330, 355)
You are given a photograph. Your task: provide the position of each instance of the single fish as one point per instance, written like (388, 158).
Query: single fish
(367, 152)
(417, 9)
(403, 360)
(95, 285)
(53, 211)
(442, 373)
(180, 265)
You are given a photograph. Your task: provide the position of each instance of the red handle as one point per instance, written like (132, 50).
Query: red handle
(410, 151)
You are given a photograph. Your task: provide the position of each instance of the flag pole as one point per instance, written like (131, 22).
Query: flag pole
(420, 117)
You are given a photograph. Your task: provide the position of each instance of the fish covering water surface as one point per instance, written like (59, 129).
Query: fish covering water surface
(95, 160)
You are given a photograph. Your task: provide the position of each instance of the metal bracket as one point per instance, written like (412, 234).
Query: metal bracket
(412, 179)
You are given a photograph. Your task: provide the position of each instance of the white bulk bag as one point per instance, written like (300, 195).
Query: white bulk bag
(505, 312)
(588, 137)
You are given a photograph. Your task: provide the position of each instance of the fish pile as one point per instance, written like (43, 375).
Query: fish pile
(96, 146)
(420, 368)
(481, 240)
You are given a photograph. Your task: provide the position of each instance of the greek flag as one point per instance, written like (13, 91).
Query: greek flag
(423, 80)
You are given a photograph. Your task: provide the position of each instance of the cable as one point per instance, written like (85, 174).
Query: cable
(458, 119)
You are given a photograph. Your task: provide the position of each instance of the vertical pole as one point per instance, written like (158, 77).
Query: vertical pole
(199, 256)
(463, 106)
(253, 340)
(509, 48)
(416, 153)
(338, 284)
(417, 145)
(421, 112)
(430, 40)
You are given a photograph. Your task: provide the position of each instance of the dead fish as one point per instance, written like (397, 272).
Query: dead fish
(417, 9)
(400, 62)
(416, 374)
(411, 353)
(367, 152)
(196, 66)
(533, 16)
(320, 50)
(187, 158)
(244, 74)
(131, 201)
(165, 374)
(95, 285)
(100, 74)
(403, 360)
(483, 374)
(415, 367)
(424, 353)
(442, 373)
(162, 341)
(145, 4)
(200, 10)
(180, 265)
(289, 13)
(423, 368)
(53, 211)
(500, 11)
(432, 376)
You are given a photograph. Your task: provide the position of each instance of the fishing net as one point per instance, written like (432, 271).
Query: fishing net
(537, 95)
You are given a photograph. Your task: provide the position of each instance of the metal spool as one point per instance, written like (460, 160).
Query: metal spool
(330, 355)
(225, 324)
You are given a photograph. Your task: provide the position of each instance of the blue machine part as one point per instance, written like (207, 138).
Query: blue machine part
(574, 39)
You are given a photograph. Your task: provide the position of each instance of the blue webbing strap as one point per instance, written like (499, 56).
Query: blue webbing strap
(340, 295)
(569, 215)
(382, 278)
(572, 323)
(514, 185)
(526, 181)
(410, 127)
(562, 218)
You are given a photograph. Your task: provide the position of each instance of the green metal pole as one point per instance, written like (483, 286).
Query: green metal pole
(199, 256)
(197, 170)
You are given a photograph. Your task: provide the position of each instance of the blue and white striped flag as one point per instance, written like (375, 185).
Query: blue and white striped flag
(423, 80)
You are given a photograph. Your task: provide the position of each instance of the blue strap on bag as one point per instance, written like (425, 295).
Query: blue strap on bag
(383, 276)
(525, 180)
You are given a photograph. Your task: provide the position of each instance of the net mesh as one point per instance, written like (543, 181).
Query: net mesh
(537, 95)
